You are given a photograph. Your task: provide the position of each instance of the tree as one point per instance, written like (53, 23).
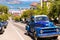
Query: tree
(37, 11)
(4, 12)
(53, 11)
(54, 8)
(3, 9)
(58, 9)
(27, 13)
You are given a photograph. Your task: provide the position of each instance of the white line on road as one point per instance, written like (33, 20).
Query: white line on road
(18, 33)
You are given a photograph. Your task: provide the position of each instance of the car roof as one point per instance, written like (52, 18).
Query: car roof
(40, 16)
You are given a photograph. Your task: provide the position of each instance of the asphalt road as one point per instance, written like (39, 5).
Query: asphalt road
(15, 31)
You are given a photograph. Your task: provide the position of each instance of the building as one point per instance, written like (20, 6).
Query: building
(17, 12)
(34, 5)
(14, 12)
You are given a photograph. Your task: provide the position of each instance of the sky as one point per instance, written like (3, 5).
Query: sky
(28, 0)
(17, 3)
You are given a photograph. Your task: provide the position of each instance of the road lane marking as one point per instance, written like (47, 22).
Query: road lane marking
(18, 33)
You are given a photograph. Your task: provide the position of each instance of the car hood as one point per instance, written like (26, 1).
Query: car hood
(43, 23)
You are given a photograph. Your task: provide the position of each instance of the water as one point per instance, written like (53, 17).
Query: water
(23, 4)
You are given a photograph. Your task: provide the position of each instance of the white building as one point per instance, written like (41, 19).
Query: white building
(16, 12)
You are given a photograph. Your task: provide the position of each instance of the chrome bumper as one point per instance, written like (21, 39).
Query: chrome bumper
(48, 35)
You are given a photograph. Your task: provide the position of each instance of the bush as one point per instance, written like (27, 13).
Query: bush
(16, 18)
(4, 17)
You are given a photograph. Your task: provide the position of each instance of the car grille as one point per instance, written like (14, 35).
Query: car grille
(49, 30)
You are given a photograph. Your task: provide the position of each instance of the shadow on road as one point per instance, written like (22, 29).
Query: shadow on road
(29, 36)
(1, 33)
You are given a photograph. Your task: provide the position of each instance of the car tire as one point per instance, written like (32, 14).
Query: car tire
(2, 30)
(5, 27)
(35, 37)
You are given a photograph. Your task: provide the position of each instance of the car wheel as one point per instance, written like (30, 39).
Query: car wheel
(2, 30)
(5, 27)
(35, 37)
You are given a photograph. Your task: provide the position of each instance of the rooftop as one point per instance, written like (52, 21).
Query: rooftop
(34, 4)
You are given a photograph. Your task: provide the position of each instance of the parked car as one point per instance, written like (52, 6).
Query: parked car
(40, 27)
(5, 23)
(1, 27)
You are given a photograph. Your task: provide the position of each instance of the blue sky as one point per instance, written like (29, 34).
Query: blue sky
(19, 0)
(17, 3)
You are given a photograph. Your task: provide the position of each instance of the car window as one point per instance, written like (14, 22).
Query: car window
(42, 19)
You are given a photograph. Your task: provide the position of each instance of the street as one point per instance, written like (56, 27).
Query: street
(29, 19)
(15, 31)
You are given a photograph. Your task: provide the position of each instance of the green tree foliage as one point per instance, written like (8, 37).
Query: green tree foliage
(54, 9)
(4, 13)
(4, 17)
(3, 9)
(27, 13)
(16, 18)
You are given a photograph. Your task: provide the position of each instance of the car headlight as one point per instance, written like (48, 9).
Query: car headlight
(41, 31)
(57, 30)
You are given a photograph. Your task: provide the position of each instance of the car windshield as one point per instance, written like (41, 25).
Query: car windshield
(42, 19)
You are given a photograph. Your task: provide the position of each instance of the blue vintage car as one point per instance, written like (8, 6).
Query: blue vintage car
(40, 27)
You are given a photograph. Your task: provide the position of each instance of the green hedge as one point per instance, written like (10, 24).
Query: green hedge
(16, 18)
(4, 17)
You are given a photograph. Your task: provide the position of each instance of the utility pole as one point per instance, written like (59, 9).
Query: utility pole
(41, 3)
